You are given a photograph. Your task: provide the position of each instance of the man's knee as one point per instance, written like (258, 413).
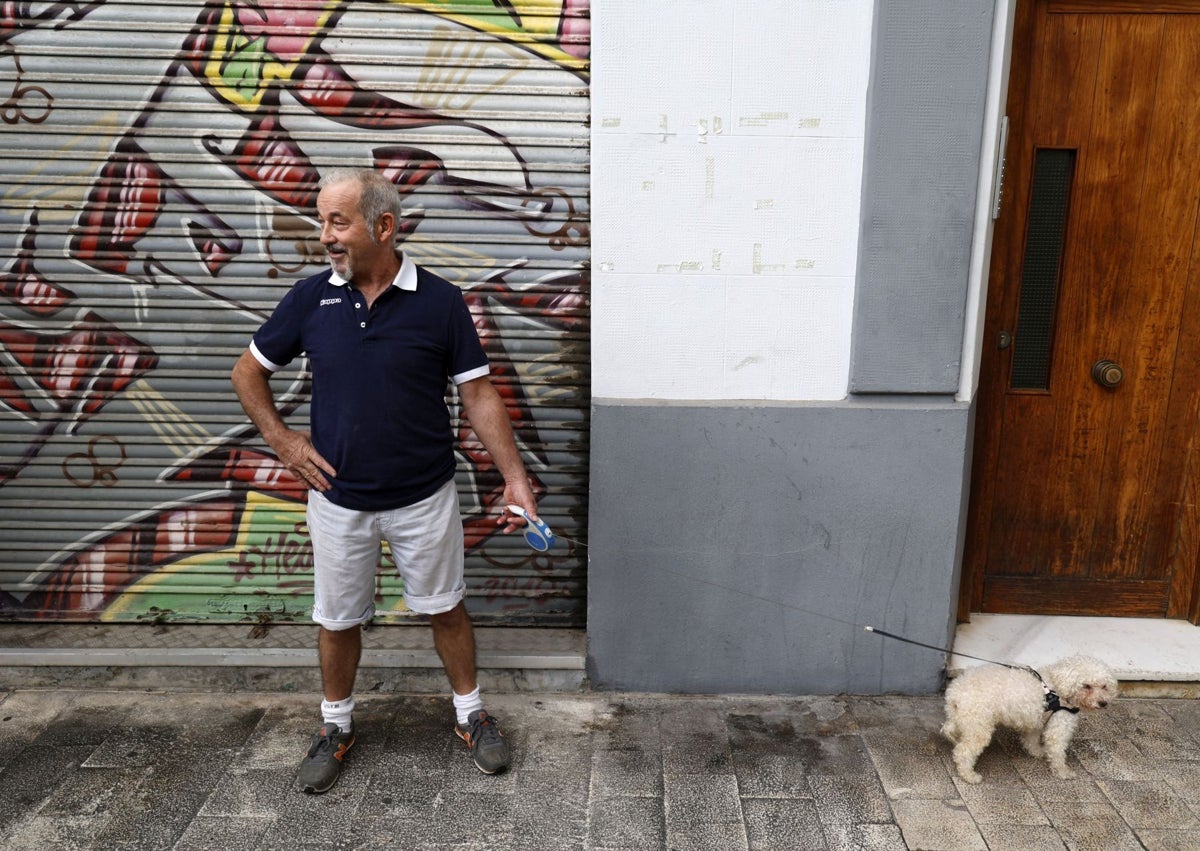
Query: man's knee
(452, 618)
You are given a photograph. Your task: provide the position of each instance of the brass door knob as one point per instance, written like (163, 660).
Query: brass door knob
(1107, 374)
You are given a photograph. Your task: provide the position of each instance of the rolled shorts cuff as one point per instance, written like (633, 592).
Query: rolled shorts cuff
(438, 603)
(335, 625)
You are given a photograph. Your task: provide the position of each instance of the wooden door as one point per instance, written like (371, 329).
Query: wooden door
(1083, 488)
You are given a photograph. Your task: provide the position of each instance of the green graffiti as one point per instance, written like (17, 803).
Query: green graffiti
(243, 71)
(265, 576)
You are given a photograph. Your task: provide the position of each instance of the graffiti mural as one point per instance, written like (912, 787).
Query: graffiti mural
(160, 176)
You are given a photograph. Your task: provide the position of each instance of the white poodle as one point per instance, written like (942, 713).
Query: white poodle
(1042, 706)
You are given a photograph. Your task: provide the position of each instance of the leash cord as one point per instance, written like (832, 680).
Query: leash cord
(945, 649)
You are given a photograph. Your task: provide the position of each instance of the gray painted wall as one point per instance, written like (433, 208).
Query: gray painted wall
(740, 548)
(925, 107)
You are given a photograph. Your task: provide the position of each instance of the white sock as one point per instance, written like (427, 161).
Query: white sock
(339, 712)
(465, 704)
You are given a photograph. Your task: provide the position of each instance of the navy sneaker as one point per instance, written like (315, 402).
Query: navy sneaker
(319, 770)
(486, 742)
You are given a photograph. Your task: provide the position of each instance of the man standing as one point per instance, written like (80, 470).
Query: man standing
(383, 338)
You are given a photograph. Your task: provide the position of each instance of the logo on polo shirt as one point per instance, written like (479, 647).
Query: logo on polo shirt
(326, 301)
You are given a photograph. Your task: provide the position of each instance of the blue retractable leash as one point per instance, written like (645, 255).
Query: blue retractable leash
(537, 532)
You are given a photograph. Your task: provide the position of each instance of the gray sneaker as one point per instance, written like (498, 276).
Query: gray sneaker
(483, 737)
(320, 768)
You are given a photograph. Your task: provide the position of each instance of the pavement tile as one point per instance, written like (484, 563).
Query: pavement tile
(302, 818)
(251, 793)
(76, 726)
(61, 833)
(934, 825)
(223, 833)
(550, 820)
(91, 791)
(373, 833)
(910, 736)
(32, 776)
(765, 775)
(805, 716)
(836, 756)
(692, 799)
(886, 711)
(136, 771)
(1161, 738)
(550, 749)
(708, 837)
(626, 823)
(1153, 805)
(1186, 714)
(24, 715)
(429, 748)
(1035, 773)
(695, 745)
(626, 772)
(762, 732)
(553, 785)
(1169, 840)
(467, 820)
(864, 837)
(128, 747)
(1002, 804)
(280, 739)
(462, 777)
(157, 811)
(1184, 780)
(626, 725)
(774, 823)
(850, 800)
(1090, 826)
(393, 789)
(913, 775)
(1021, 837)
(1112, 759)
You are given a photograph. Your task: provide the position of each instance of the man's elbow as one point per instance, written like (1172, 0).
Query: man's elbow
(245, 370)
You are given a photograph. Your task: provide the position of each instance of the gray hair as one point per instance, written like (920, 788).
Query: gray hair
(377, 194)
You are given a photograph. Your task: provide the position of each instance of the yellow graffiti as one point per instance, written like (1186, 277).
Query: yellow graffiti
(179, 431)
(241, 69)
(539, 23)
(449, 258)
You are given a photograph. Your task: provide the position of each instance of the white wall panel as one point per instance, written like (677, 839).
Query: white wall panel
(752, 174)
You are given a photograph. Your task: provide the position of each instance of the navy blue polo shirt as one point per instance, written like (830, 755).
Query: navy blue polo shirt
(378, 410)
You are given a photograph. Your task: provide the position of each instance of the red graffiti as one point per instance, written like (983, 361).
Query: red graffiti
(82, 368)
(127, 201)
(26, 287)
(268, 158)
(247, 467)
(89, 581)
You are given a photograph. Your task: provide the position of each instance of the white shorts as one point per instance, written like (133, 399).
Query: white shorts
(426, 541)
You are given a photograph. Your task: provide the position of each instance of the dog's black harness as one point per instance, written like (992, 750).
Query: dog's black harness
(1053, 701)
(1054, 705)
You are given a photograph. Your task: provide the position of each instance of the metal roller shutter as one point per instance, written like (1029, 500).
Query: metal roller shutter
(159, 174)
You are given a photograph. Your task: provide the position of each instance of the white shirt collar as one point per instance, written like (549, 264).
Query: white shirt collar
(406, 278)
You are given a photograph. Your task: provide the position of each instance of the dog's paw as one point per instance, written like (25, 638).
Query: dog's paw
(971, 777)
(1063, 773)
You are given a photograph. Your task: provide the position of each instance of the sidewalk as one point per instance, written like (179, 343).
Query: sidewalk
(125, 769)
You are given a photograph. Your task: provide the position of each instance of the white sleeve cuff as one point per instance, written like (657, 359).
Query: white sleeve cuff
(262, 359)
(471, 375)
